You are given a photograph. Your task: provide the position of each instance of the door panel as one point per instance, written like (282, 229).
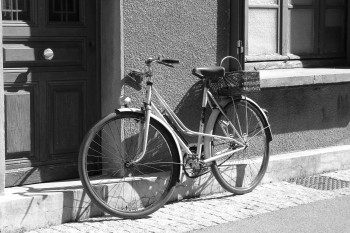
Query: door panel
(67, 110)
(21, 117)
(51, 86)
(19, 122)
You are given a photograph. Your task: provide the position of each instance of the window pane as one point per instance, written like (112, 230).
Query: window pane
(262, 31)
(64, 11)
(15, 10)
(334, 41)
(301, 31)
(263, 2)
(301, 2)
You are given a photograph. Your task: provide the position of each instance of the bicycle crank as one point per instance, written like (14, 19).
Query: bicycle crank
(193, 167)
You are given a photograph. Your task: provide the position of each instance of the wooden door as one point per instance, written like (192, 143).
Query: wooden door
(51, 86)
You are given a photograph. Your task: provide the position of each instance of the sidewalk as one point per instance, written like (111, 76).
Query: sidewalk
(326, 216)
(198, 213)
(36, 206)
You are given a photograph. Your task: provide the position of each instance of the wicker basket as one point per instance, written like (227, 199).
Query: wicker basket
(237, 82)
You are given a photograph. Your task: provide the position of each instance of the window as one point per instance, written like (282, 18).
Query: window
(64, 11)
(295, 33)
(15, 10)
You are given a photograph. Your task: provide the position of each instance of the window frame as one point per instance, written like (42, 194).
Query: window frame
(282, 59)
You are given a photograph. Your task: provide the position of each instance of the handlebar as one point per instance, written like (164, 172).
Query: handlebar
(171, 61)
(166, 62)
(138, 76)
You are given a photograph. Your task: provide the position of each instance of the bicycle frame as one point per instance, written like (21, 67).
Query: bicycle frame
(138, 178)
(149, 106)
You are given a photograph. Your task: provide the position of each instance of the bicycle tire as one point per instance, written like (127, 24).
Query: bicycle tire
(115, 185)
(242, 171)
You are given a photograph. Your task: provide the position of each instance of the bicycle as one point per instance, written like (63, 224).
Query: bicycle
(131, 160)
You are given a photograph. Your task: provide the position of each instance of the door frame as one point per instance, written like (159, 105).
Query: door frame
(112, 54)
(238, 25)
(2, 117)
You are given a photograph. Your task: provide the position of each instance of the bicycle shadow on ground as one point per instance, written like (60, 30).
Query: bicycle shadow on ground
(195, 187)
(76, 203)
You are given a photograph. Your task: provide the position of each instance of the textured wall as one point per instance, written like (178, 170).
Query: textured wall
(195, 32)
(307, 117)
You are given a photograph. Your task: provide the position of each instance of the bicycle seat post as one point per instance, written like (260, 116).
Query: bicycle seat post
(149, 72)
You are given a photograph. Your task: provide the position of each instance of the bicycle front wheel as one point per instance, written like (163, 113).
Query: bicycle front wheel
(115, 178)
(242, 171)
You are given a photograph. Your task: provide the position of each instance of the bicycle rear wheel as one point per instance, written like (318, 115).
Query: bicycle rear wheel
(113, 181)
(242, 171)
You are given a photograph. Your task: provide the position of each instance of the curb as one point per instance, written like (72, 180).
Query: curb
(42, 205)
(306, 163)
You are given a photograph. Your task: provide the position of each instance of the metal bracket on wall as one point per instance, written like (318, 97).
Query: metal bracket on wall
(240, 47)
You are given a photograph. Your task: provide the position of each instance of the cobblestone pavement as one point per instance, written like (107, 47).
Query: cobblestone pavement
(197, 213)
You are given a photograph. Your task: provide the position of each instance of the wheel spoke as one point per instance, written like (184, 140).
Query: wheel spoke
(113, 181)
(243, 170)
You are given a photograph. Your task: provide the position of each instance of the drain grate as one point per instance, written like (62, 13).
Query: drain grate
(321, 182)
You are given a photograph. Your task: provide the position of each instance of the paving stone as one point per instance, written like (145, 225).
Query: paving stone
(192, 214)
(340, 175)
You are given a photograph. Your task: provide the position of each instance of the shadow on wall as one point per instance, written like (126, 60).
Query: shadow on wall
(189, 107)
(306, 118)
(301, 118)
(306, 108)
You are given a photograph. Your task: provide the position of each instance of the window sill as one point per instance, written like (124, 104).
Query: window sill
(303, 76)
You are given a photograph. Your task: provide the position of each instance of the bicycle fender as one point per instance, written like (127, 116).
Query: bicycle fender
(224, 102)
(163, 124)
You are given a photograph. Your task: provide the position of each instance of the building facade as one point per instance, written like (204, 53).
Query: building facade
(65, 62)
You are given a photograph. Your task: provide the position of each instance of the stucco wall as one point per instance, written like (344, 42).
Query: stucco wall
(305, 118)
(195, 32)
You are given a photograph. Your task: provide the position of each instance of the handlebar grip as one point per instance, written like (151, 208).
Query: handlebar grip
(171, 61)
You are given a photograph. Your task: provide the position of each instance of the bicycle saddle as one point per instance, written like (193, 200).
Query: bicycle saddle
(212, 72)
